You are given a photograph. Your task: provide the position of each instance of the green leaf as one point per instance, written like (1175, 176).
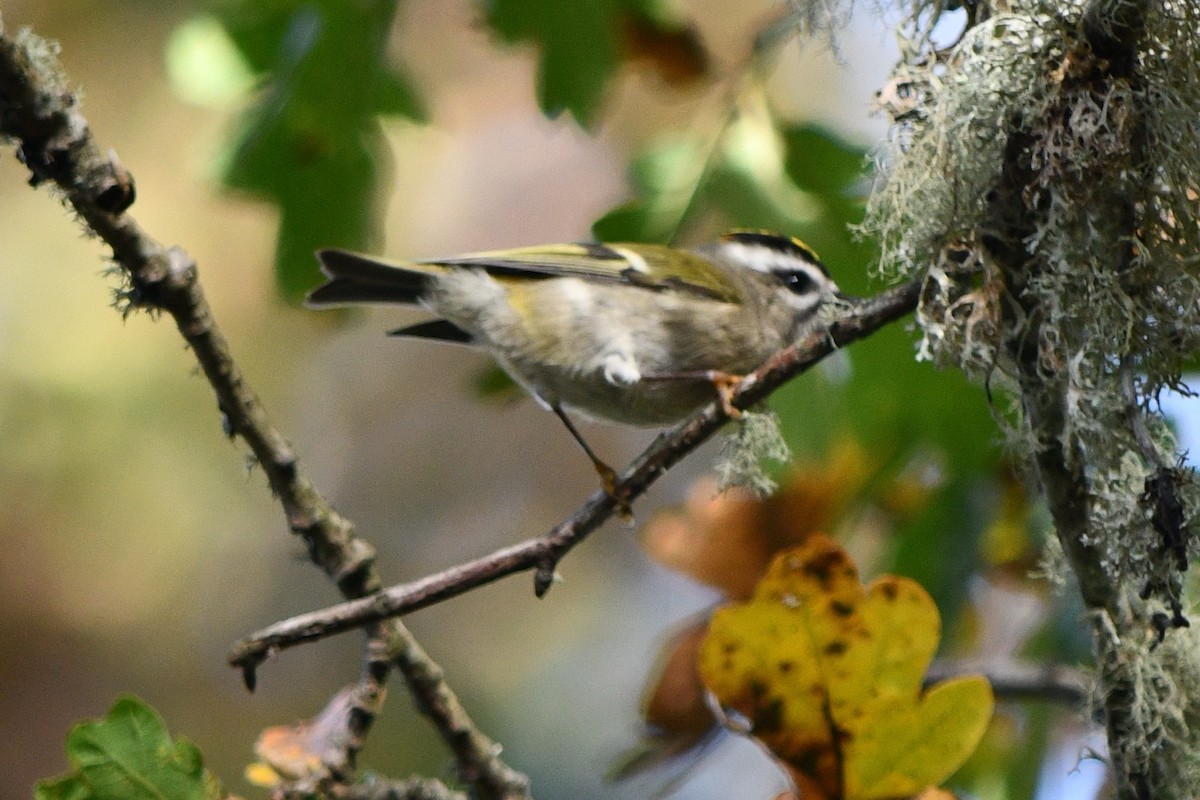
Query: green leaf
(128, 755)
(204, 66)
(327, 184)
(581, 44)
(819, 161)
(396, 98)
(798, 180)
(328, 53)
(578, 51)
(312, 143)
(664, 179)
(67, 787)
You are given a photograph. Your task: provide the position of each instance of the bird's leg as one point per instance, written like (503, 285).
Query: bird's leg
(725, 384)
(608, 477)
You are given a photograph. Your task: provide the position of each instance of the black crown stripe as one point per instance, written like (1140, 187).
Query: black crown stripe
(779, 242)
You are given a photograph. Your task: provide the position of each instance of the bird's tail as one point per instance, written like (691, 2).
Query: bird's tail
(357, 278)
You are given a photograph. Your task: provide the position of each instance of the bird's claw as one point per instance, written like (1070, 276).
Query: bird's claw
(726, 385)
(608, 479)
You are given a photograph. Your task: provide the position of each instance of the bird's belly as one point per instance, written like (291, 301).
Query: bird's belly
(594, 352)
(650, 403)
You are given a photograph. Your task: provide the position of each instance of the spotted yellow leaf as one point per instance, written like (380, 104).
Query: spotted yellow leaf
(829, 674)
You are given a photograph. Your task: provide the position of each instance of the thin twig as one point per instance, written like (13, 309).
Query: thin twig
(54, 141)
(543, 552)
(477, 758)
(371, 690)
(1137, 420)
(1020, 681)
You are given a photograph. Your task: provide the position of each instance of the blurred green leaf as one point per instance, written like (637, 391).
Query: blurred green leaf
(819, 161)
(1062, 638)
(128, 755)
(581, 44)
(665, 179)
(1016, 736)
(1035, 743)
(799, 180)
(204, 66)
(327, 185)
(578, 48)
(67, 787)
(311, 143)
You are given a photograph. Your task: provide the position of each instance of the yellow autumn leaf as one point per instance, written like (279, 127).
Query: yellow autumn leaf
(830, 673)
(914, 745)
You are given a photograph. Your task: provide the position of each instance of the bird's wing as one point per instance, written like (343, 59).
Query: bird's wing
(651, 267)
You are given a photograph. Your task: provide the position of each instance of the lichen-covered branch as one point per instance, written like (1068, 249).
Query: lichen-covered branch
(396, 790)
(41, 114)
(1047, 166)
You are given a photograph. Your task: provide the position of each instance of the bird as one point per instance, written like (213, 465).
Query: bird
(639, 334)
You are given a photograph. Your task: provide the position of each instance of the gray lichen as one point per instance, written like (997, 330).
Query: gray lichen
(758, 439)
(1044, 175)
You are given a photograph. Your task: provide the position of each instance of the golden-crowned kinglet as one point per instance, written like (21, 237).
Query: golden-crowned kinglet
(635, 333)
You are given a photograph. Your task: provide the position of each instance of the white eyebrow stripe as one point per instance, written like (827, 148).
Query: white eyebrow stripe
(764, 259)
(635, 260)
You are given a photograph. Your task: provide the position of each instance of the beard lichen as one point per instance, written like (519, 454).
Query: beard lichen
(1043, 174)
(758, 439)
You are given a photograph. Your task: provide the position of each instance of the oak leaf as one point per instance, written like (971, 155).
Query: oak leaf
(829, 675)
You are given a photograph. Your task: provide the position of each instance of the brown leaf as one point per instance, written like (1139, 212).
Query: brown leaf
(674, 51)
(675, 700)
(726, 540)
(714, 538)
(310, 747)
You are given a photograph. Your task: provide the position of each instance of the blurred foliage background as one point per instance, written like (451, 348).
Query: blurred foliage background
(139, 543)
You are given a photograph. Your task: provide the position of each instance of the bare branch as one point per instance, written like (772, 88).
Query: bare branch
(477, 758)
(543, 553)
(54, 141)
(1018, 680)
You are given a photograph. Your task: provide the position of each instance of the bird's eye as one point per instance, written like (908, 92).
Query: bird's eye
(797, 282)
